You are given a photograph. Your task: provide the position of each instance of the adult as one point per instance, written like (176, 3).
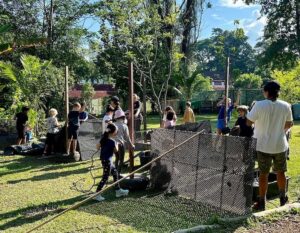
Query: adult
(21, 119)
(138, 117)
(272, 118)
(83, 115)
(115, 103)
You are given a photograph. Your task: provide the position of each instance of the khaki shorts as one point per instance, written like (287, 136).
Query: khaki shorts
(265, 162)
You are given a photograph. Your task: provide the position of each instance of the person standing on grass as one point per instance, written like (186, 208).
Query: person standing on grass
(138, 117)
(188, 116)
(21, 119)
(73, 127)
(108, 147)
(122, 139)
(52, 124)
(272, 118)
(167, 110)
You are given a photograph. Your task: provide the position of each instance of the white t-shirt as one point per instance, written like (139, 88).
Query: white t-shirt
(105, 121)
(270, 118)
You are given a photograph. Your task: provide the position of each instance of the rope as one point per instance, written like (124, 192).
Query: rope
(78, 187)
(113, 184)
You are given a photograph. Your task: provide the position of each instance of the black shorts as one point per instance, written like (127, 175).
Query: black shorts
(50, 139)
(73, 132)
(21, 132)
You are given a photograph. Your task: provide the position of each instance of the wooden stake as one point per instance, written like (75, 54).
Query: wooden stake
(144, 106)
(66, 102)
(226, 91)
(131, 115)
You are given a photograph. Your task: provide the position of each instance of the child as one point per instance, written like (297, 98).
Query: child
(188, 116)
(122, 137)
(107, 117)
(168, 109)
(73, 126)
(245, 131)
(21, 119)
(52, 124)
(170, 122)
(83, 115)
(107, 148)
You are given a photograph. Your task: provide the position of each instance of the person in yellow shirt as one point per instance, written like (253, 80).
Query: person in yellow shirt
(188, 116)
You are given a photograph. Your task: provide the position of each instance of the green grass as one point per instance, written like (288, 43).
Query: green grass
(32, 190)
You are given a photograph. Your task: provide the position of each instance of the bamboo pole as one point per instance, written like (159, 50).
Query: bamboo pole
(113, 184)
(66, 104)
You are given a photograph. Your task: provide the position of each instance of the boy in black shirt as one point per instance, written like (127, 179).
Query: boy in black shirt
(73, 126)
(245, 130)
(21, 119)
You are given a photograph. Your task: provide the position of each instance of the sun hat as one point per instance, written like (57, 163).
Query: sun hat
(119, 114)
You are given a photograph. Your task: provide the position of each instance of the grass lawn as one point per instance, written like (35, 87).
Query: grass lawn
(32, 190)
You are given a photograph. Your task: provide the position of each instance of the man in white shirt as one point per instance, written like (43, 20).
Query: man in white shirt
(272, 118)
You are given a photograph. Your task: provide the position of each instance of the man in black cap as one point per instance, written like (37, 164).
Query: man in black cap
(272, 118)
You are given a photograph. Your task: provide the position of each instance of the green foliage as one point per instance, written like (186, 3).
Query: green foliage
(211, 54)
(248, 81)
(290, 84)
(87, 94)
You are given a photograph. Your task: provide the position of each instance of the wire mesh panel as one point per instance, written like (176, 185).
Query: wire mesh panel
(214, 171)
(90, 133)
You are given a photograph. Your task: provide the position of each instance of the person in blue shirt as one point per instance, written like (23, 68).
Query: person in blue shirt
(221, 123)
(108, 147)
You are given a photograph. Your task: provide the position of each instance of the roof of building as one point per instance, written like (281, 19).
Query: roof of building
(101, 90)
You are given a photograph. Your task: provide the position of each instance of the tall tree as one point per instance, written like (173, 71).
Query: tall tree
(280, 47)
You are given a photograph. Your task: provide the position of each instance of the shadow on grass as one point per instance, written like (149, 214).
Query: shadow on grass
(49, 176)
(34, 213)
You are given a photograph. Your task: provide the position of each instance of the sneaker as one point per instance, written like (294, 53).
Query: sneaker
(259, 206)
(99, 198)
(65, 154)
(122, 192)
(283, 200)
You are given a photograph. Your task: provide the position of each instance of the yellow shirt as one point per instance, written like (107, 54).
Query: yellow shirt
(188, 116)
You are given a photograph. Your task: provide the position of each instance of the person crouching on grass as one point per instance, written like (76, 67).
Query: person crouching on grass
(272, 118)
(108, 147)
(73, 127)
(122, 138)
(53, 129)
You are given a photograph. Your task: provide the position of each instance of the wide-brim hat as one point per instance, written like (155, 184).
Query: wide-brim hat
(119, 114)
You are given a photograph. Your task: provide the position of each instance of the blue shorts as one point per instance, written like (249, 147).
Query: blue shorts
(221, 124)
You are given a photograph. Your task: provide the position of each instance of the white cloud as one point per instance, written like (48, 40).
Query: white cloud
(235, 4)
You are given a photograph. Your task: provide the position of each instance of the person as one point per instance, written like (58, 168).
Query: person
(241, 122)
(122, 138)
(222, 121)
(138, 117)
(52, 125)
(170, 122)
(168, 109)
(73, 127)
(115, 103)
(188, 116)
(21, 119)
(107, 117)
(83, 115)
(108, 147)
(272, 118)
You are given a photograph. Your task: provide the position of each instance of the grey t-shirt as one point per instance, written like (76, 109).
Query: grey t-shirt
(123, 133)
(52, 125)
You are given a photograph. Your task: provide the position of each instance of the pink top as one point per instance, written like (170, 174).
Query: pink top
(169, 124)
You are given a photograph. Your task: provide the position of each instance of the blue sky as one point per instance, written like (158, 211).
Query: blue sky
(222, 15)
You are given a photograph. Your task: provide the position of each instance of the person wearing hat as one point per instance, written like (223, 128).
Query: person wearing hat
(122, 139)
(138, 117)
(241, 123)
(189, 116)
(272, 118)
(115, 103)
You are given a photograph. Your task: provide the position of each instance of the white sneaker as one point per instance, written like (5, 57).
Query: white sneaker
(99, 198)
(122, 192)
